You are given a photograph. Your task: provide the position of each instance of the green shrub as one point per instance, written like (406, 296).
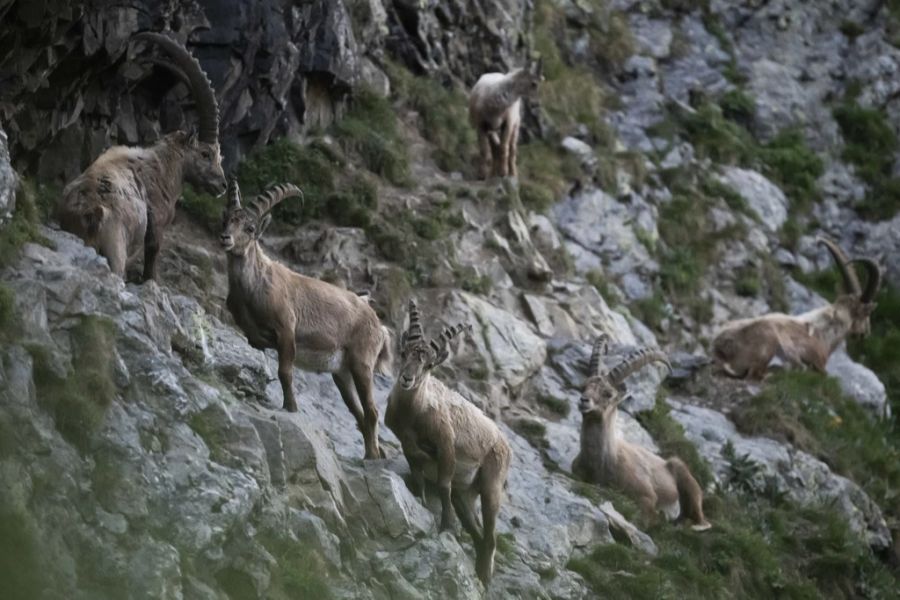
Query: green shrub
(556, 406)
(738, 106)
(791, 164)
(311, 167)
(354, 204)
(597, 279)
(78, 402)
(870, 144)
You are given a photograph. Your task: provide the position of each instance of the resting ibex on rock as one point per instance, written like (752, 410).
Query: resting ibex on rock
(319, 326)
(745, 347)
(495, 111)
(656, 484)
(122, 202)
(448, 440)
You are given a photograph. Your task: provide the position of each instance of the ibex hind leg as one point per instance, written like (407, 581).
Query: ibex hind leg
(464, 504)
(362, 379)
(344, 382)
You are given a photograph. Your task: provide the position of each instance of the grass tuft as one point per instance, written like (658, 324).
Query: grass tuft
(78, 402)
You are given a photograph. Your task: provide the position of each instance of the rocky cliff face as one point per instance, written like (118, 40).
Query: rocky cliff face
(682, 158)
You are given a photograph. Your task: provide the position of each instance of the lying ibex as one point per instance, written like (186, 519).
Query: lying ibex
(495, 111)
(448, 440)
(745, 347)
(317, 325)
(123, 202)
(656, 484)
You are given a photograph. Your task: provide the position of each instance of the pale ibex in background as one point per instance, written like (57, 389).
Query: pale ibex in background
(122, 203)
(495, 111)
(745, 347)
(656, 484)
(448, 440)
(319, 326)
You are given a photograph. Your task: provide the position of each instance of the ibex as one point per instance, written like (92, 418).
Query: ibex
(448, 440)
(656, 484)
(317, 325)
(123, 202)
(745, 347)
(495, 111)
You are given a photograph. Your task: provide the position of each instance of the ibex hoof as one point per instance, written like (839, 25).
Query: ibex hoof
(290, 407)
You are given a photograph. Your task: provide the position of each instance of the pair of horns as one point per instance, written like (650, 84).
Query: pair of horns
(630, 364)
(848, 272)
(188, 69)
(415, 333)
(265, 202)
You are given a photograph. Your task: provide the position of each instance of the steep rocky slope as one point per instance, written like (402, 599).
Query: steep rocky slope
(679, 162)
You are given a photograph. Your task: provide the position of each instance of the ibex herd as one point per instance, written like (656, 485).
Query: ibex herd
(123, 202)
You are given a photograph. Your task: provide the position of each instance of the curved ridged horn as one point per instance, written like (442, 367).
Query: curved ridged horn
(851, 281)
(234, 194)
(201, 88)
(598, 350)
(873, 279)
(414, 333)
(269, 199)
(636, 361)
(451, 332)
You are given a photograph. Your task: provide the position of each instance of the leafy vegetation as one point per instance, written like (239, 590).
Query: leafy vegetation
(370, 129)
(545, 174)
(558, 407)
(444, 117)
(721, 135)
(33, 206)
(756, 548)
(810, 411)
(78, 401)
(870, 144)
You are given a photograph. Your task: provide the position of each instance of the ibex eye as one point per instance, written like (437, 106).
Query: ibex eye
(250, 228)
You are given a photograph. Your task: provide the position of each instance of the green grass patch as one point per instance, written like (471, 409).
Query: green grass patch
(78, 401)
(871, 144)
(738, 106)
(8, 325)
(370, 129)
(810, 411)
(720, 135)
(532, 430)
(21, 552)
(23, 226)
(651, 311)
(558, 407)
(545, 173)
(755, 549)
(444, 114)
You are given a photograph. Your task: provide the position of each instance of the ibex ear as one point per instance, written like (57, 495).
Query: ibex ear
(263, 223)
(191, 138)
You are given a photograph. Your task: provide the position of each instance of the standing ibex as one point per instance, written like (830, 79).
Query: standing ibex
(495, 111)
(447, 440)
(321, 327)
(745, 347)
(656, 484)
(126, 198)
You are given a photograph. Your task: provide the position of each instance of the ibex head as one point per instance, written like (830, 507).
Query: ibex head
(244, 226)
(419, 356)
(604, 390)
(856, 303)
(202, 156)
(529, 78)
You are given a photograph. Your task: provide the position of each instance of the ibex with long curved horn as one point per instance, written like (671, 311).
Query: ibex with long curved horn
(656, 484)
(448, 440)
(123, 202)
(745, 347)
(316, 325)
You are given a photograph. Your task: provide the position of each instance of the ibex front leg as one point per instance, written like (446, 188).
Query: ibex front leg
(286, 350)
